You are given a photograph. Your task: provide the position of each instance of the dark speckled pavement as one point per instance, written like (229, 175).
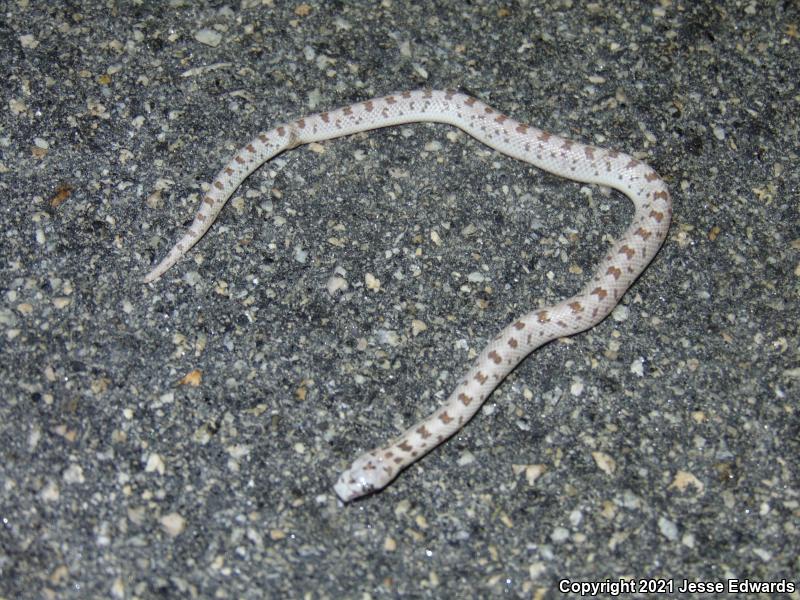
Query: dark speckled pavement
(181, 440)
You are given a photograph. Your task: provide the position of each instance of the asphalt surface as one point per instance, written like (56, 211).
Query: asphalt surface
(181, 439)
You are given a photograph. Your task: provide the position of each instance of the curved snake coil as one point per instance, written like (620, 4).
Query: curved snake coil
(618, 269)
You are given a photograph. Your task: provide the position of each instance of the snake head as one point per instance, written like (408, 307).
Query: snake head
(368, 473)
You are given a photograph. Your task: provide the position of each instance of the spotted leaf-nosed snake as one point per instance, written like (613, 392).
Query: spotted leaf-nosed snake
(621, 265)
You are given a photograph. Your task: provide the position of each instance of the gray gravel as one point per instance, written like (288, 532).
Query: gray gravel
(662, 445)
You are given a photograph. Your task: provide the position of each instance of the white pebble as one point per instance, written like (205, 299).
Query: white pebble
(17, 106)
(28, 41)
(575, 517)
(155, 463)
(417, 327)
(388, 336)
(434, 146)
(300, 255)
(238, 451)
(173, 524)
(469, 230)
(606, 464)
(33, 438)
(533, 472)
(668, 529)
(620, 313)
(50, 492)
(466, 458)
(192, 278)
(373, 283)
(764, 555)
(559, 535)
(209, 37)
(637, 367)
(61, 302)
(74, 474)
(537, 570)
(336, 284)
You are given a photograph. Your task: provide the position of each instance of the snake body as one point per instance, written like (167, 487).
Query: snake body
(617, 270)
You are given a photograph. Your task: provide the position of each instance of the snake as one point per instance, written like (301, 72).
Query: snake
(620, 266)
